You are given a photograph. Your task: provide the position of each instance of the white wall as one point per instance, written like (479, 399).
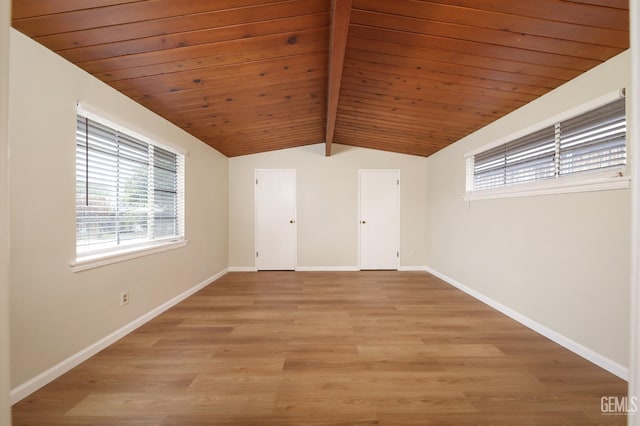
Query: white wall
(5, 408)
(55, 312)
(561, 260)
(634, 353)
(327, 203)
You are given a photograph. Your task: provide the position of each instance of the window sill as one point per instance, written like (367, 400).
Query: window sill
(551, 187)
(95, 261)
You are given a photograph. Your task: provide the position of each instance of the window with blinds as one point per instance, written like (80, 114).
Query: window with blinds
(594, 140)
(129, 193)
(591, 141)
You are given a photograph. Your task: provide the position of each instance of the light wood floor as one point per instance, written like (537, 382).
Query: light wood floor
(284, 348)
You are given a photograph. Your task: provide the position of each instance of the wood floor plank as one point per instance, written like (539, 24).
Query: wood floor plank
(359, 348)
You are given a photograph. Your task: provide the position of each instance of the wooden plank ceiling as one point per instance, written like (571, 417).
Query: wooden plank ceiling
(409, 76)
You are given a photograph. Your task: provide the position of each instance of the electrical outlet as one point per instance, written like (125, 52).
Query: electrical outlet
(124, 298)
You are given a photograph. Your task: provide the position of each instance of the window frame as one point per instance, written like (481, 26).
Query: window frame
(615, 177)
(105, 256)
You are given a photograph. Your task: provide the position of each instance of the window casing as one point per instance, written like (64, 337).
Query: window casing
(594, 141)
(129, 193)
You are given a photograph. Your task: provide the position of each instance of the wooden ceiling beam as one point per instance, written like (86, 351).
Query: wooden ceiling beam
(340, 15)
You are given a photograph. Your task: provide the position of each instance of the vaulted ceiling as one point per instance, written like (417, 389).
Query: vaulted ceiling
(409, 76)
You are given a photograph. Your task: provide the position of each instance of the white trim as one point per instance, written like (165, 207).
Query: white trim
(99, 116)
(565, 115)
(27, 388)
(575, 347)
(243, 269)
(326, 268)
(302, 268)
(411, 268)
(96, 261)
(563, 185)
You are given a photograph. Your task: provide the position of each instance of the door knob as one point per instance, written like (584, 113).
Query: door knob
(363, 222)
(292, 221)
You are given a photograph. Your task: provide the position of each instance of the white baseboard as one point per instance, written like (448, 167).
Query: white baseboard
(327, 268)
(575, 347)
(411, 268)
(27, 388)
(242, 269)
(300, 268)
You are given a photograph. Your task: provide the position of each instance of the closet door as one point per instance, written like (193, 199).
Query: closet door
(275, 216)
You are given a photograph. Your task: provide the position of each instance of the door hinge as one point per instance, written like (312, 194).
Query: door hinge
(256, 181)
(257, 254)
(398, 182)
(397, 254)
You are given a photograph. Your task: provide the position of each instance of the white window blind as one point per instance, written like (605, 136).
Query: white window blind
(590, 141)
(129, 193)
(525, 159)
(594, 140)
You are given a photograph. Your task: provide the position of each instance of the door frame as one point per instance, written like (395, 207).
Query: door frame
(359, 213)
(295, 215)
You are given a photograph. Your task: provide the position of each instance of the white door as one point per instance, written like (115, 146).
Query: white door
(379, 220)
(275, 219)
